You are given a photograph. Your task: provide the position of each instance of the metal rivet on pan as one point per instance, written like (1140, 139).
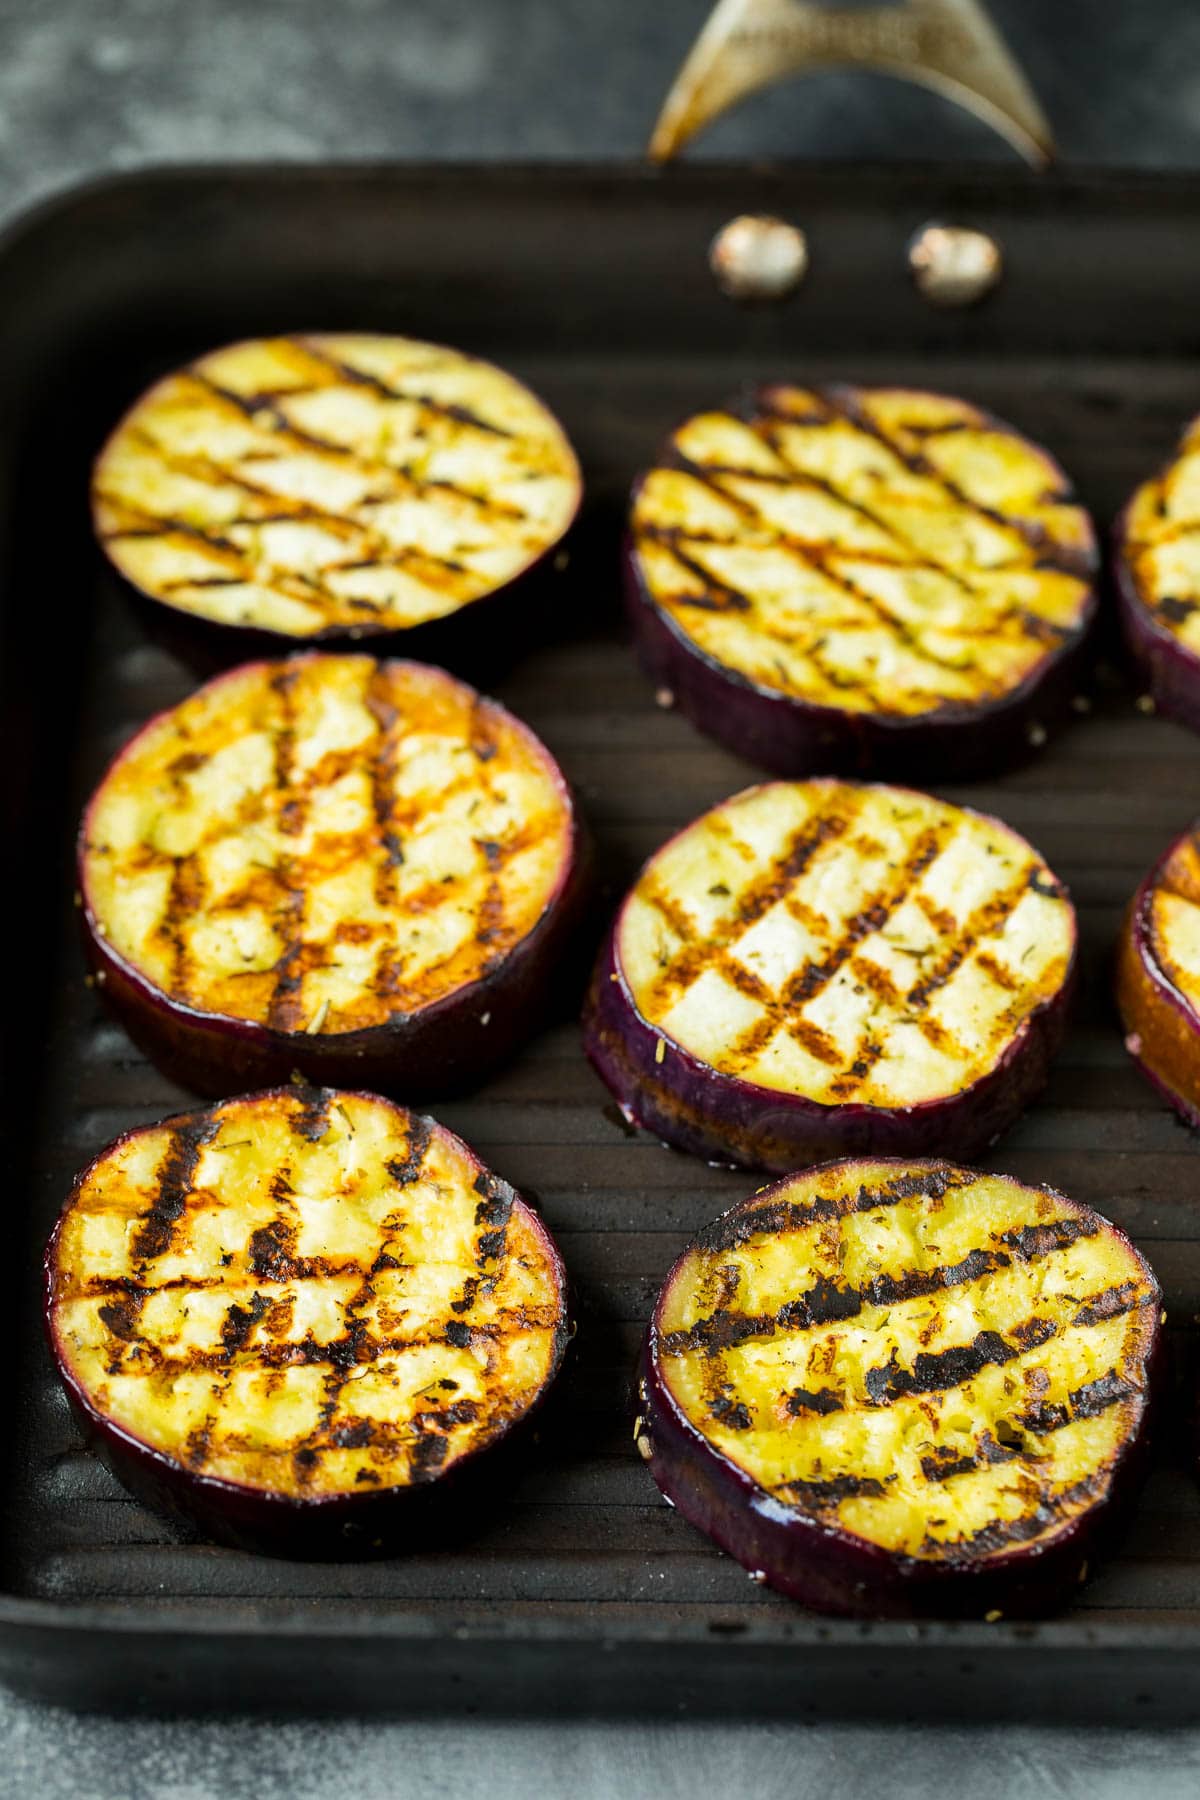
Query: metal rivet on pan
(953, 265)
(756, 257)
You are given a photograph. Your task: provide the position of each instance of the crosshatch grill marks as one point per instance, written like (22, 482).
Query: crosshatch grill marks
(365, 548)
(429, 1317)
(768, 887)
(295, 484)
(943, 622)
(345, 842)
(899, 943)
(173, 1187)
(721, 596)
(976, 1388)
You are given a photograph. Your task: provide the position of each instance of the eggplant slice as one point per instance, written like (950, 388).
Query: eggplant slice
(861, 580)
(332, 486)
(283, 1318)
(1158, 976)
(826, 968)
(360, 870)
(895, 1388)
(1157, 571)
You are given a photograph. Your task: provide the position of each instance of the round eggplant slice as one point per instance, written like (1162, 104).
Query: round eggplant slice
(331, 486)
(359, 870)
(1158, 976)
(827, 968)
(894, 1389)
(1157, 571)
(861, 580)
(285, 1318)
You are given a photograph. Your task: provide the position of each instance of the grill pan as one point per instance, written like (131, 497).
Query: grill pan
(581, 1591)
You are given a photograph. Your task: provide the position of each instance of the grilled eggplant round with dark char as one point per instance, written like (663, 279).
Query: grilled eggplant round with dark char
(829, 968)
(290, 1317)
(1158, 976)
(1157, 570)
(895, 1389)
(360, 870)
(862, 580)
(332, 486)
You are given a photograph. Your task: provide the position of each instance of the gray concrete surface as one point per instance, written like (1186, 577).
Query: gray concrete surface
(49, 1757)
(92, 84)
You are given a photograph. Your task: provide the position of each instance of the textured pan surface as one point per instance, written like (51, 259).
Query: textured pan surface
(1089, 350)
(874, 550)
(305, 1292)
(332, 482)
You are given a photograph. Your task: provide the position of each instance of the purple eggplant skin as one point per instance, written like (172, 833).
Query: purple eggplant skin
(1166, 669)
(444, 1049)
(693, 1106)
(794, 737)
(832, 1571)
(332, 1527)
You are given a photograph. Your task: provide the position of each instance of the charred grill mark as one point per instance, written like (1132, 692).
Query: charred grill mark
(1085, 1402)
(828, 1495)
(381, 772)
(826, 1303)
(1172, 609)
(1043, 1509)
(185, 897)
(492, 1215)
(1031, 1241)
(240, 1321)
(943, 1463)
(311, 1118)
(121, 1316)
(730, 1413)
(765, 891)
(1112, 1303)
(349, 372)
(409, 1168)
(174, 1178)
(272, 1253)
(988, 920)
(680, 921)
(717, 596)
(285, 1009)
(784, 1216)
(822, 1401)
(1095, 1397)
(935, 1371)
(842, 402)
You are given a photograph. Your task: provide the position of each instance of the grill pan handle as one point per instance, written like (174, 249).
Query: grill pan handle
(948, 45)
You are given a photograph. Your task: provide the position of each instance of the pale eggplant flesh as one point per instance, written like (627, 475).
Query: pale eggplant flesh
(829, 968)
(896, 1389)
(861, 580)
(1158, 976)
(297, 1320)
(1156, 565)
(361, 870)
(331, 486)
